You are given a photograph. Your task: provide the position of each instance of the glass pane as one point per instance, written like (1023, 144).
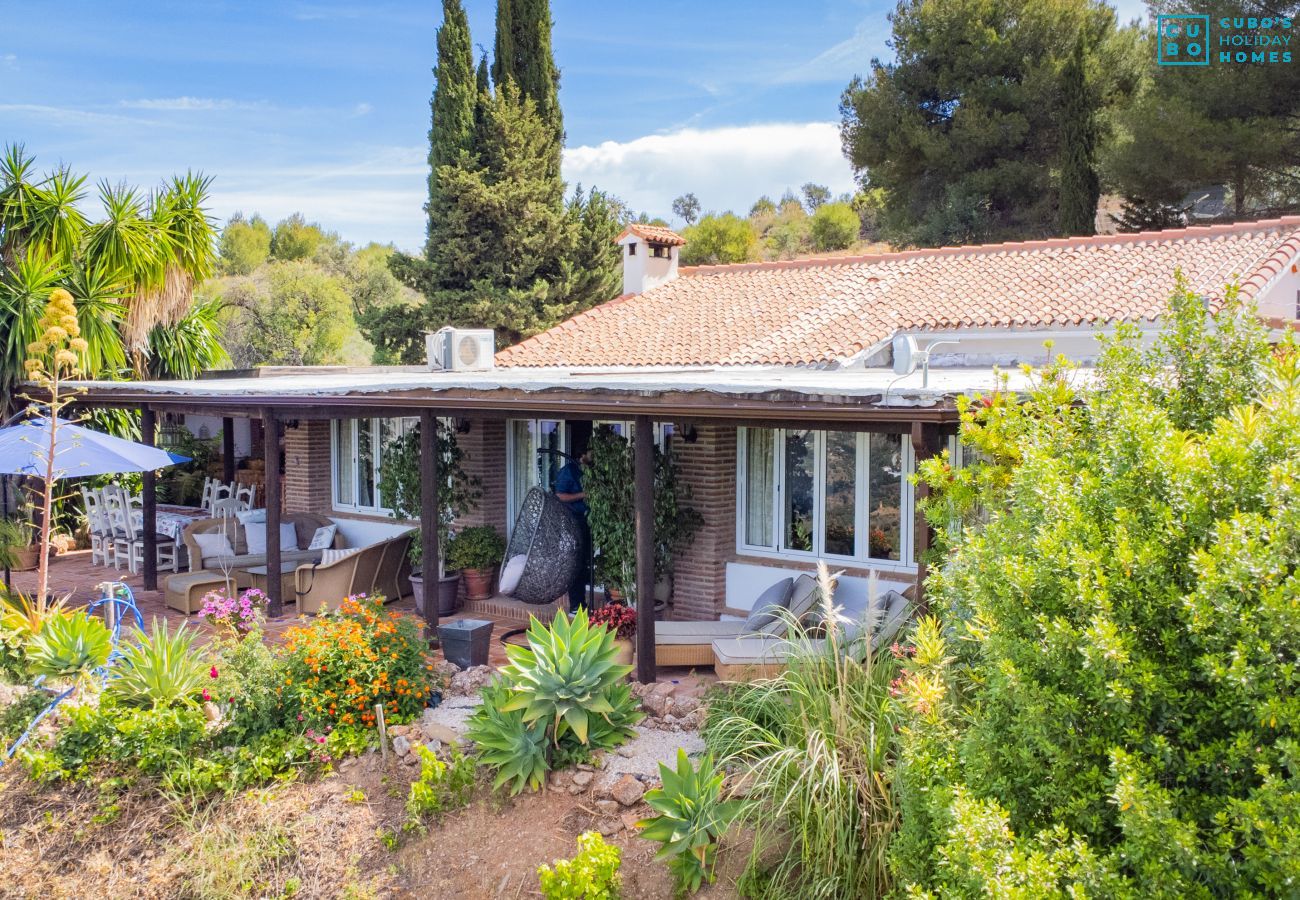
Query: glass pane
(797, 513)
(759, 466)
(365, 463)
(343, 462)
(841, 493)
(522, 471)
(549, 463)
(885, 495)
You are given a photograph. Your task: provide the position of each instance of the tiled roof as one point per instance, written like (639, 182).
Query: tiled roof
(655, 234)
(817, 311)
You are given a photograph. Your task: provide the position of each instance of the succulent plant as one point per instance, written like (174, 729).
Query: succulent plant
(162, 668)
(564, 677)
(69, 646)
(506, 742)
(692, 816)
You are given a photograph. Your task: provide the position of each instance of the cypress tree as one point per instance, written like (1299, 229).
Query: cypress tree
(503, 51)
(455, 98)
(483, 94)
(534, 66)
(1079, 187)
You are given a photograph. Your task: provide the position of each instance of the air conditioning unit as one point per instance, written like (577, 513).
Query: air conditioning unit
(460, 349)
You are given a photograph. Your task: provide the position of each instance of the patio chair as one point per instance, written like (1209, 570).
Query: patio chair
(209, 492)
(325, 585)
(128, 542)
(246, 495)
(548, 537)
(101, 533)
(226, 508)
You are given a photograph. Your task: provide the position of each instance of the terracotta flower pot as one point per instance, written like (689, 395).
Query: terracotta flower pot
(25, 558)
(478, 583)
(623, 653)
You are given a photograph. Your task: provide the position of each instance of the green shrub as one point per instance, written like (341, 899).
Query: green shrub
(249, 688)
(560, 698)
(441, 787)
(17, 716)
(476, 547)
(162, 668)
(816, 745)
(591, 875)
(149, 740)
(69, 646)
(1109, 705)
(692, 817)
(834, 226)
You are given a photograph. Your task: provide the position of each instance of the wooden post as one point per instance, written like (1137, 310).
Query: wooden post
(271, 448)
(149, 494)
(643, 448)
(429, 518)
(227, 449)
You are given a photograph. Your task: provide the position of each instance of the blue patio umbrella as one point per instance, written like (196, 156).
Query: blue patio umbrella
(78, 451)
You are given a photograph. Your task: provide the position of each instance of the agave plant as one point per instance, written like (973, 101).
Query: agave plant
(564, 676)
(692, 816)
(160, 669)
(69, 646)
(506, 742)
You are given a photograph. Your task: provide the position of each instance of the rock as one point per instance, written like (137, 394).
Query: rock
(656, 704)
(625, 752)
(583, 767)
(582, 778)
(575, 790)
(627, 791)
(411, 760)
(629, 821)
(608, 807)
(443, 734)
(684, 706)
(446, 667)
(401, 746)
(470, 680)
(608, 827)
(558, 780)
(211, 712)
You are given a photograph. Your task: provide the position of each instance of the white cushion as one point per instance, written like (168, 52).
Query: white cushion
(255, 537)
(696, 633)
(213, 544)
(323, 538)
(767, 608)
(288, 536)
(250, 515)
(511, 572)
(331, 555)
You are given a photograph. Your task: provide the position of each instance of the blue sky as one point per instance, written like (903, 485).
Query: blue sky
(322, 107)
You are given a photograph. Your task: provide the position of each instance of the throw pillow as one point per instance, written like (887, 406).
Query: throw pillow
(323, 539)
(511, 573)
(251, 515)
(804, 596)
(768, 606)
(213, 544)
(858, 620)
(255, 537)
(331, 555)
(288, 536)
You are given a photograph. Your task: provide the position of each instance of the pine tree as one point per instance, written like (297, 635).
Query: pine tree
(1079, 188)
(454, 100)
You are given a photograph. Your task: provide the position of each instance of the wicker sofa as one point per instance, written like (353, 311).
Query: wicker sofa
(381, 569)
(304, 526)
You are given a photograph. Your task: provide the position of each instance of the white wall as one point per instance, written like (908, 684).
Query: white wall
(243, 432)
(641, 271)
(1281, 298)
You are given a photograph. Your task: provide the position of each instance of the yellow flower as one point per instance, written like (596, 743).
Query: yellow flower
(65, 358)
(70, 323)
(36, 348)
(79, 344)
(54, 335)
(32, 365)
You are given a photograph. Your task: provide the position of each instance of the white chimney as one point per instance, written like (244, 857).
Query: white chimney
(649, 256)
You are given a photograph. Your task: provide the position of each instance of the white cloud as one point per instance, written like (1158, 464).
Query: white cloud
(9, 61)
(843, 60)
(727, 168)
(190, 103)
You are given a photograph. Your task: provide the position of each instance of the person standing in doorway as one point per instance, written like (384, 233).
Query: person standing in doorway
(569, 491)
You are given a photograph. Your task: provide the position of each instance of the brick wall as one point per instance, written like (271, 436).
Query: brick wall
(708, 473)
(307, 467)
(483, 451)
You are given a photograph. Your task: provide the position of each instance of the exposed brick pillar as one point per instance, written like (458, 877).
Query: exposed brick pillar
(708, 471)
(307, 486)
(483, 451)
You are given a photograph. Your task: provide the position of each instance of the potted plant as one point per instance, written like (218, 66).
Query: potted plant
(458, 493)
(18, 546)
(477, 551)
(611, 498)
(621, 620)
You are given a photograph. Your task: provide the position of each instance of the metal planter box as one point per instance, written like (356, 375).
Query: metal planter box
(465, 642)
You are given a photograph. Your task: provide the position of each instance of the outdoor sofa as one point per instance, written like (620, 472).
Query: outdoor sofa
(381, 569)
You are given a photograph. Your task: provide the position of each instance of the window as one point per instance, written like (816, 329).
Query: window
(357, 452)
(839, 494)
(631, 249)
(534, 453)
(660, 251)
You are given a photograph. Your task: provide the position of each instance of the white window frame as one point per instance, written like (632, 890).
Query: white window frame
(862, 505)
(377, 458)
(512, 503)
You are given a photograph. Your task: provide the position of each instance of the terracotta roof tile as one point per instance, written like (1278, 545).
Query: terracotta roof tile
(820, 310)
(655, 234)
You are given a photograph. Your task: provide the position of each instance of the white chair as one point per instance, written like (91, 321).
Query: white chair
(246, 494)
(224, 509)
(132, 545)
(209, 493)
(222, 491)
(118, 517)
(101, 534)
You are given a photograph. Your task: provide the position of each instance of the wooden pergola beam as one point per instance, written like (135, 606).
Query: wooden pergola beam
(149, 502)
(643, 463)
(227, 449)
(272, 433)
(429, 514)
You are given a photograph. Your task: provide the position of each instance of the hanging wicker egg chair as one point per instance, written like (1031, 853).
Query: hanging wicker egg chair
(548, 536)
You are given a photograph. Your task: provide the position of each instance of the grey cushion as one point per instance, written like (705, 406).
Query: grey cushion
(888, 612)
(768, 606)
(696, 633)
(804, 598)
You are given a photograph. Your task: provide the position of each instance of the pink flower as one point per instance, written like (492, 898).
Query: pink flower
(212, 673)
(299, 717)
(206, 695)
